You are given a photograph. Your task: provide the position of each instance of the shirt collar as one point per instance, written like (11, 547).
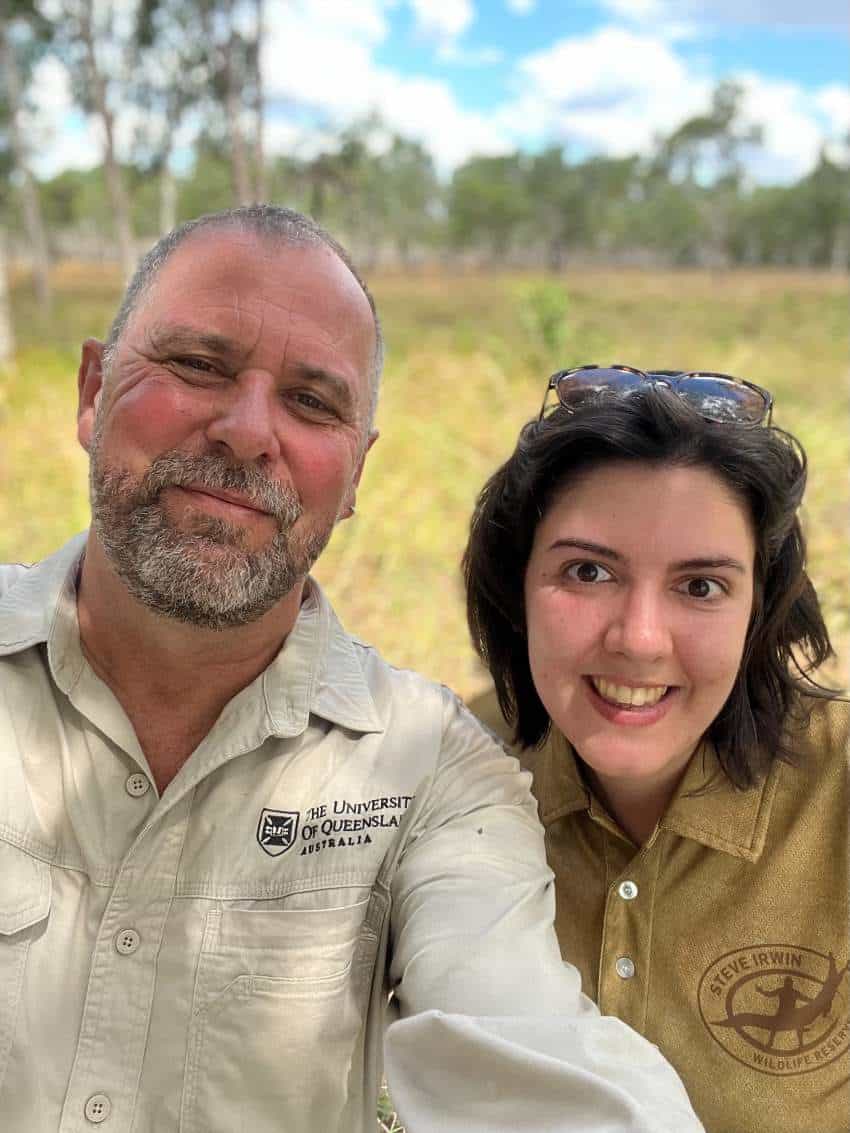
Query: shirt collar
(318, 670)
(29, 606)
(706, 807)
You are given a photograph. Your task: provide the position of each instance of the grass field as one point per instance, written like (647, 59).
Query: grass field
(467, 363)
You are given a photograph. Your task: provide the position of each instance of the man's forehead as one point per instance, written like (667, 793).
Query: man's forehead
(235, 256)
(226, 270)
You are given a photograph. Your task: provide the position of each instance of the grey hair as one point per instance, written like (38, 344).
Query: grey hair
(269, 222)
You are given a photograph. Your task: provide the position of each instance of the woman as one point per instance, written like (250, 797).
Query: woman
(636, 584)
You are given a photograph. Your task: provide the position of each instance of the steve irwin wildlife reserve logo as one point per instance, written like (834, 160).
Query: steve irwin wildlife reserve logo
(777, 1008)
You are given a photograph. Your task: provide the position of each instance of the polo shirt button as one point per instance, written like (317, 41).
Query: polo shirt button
(627, 890)
(127, 941)
(137, 785)
(625, 967)
(97, 1108)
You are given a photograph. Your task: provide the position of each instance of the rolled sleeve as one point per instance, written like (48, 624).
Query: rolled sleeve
(489, 1011)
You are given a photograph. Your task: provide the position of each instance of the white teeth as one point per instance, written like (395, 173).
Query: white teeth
(628, 696)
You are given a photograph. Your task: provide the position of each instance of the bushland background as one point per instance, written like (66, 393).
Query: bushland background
(488, 276)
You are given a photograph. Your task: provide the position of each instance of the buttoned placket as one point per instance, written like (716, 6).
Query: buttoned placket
(625, 952)
(122, 981)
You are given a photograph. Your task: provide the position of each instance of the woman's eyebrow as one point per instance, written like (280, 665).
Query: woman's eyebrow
(712, 562)
(585, 545)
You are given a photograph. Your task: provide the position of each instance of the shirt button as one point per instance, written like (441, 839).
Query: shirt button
(627, 890)
(97, 1108)
(127, 941)
(625, 967)
(137, 785)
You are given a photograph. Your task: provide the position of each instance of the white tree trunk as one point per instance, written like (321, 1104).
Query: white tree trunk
(114, 181)
(29, 190)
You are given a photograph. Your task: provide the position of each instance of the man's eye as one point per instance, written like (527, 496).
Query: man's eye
(311, 402)
(588, 571)
(188, 362)
(702, 588)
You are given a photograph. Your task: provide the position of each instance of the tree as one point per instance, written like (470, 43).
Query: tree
(170, 77)
(705, 155)
(489, 203)
(233, 50)
(95, 49)
(23, 35)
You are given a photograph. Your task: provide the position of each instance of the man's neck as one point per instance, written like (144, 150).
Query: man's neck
(172, 679)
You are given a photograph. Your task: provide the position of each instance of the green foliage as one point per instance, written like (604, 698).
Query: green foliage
(488, 203)
(542, 311)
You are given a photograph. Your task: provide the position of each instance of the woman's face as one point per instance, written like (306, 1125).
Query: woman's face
(638, 595)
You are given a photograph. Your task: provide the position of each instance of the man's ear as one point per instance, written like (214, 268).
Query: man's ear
(89, 390)
(355, 480)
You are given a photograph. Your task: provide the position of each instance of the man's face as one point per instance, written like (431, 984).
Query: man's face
(229, 434)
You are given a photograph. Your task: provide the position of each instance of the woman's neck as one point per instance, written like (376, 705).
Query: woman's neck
(635, 804)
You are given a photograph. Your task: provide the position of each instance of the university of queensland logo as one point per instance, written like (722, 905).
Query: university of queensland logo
(277, 831)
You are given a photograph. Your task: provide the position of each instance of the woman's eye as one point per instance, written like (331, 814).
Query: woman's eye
(588, 572)
(702, 588)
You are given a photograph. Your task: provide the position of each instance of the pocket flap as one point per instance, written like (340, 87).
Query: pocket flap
(24, 889)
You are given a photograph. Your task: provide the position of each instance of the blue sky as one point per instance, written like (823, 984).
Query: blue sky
(489, 76)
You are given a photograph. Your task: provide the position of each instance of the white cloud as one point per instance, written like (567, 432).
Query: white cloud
(834, 103)
(305, 49)
(443, 21)
(795, 123)
(612, 91)
(637, 10)
(521, 7)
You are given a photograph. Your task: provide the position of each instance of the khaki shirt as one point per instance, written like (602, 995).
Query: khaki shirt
(724, 939)
(219, 958)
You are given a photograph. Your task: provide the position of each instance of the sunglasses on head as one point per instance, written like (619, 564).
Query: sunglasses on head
(716, 397)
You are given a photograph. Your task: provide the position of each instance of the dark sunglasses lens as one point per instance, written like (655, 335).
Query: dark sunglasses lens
(721, 399)
(586, 386)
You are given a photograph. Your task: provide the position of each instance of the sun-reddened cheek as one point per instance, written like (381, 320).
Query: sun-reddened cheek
(159, 408)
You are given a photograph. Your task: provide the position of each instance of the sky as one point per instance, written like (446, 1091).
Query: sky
(471, 77)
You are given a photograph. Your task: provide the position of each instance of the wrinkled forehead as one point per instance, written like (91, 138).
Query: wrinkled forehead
(241, 262)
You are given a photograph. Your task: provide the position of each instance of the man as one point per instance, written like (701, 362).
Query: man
(227, 829)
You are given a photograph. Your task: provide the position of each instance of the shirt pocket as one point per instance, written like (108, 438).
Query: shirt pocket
(24, 906)
(277, 1014)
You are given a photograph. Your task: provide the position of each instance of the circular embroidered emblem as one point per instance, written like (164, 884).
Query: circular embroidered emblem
(777, 1008)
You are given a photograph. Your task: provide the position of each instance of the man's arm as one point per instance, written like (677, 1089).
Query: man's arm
(495, 1034)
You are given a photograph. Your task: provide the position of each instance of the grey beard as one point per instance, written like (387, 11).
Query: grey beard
(207, 577)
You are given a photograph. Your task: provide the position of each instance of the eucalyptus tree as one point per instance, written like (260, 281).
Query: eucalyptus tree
(706, 155)
(169, 81)
(231, 33)
(24, 36)
(94, 37)
(489, 205)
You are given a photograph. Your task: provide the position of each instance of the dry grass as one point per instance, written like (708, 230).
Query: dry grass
(467, 364)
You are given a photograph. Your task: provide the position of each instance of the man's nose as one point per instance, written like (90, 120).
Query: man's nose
(640, 628)
(245, 421)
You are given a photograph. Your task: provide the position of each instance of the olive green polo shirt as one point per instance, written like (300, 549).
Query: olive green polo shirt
(724, 939)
